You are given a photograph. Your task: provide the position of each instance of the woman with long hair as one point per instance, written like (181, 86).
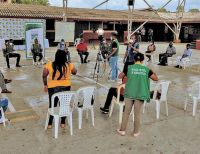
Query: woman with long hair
(57, 78)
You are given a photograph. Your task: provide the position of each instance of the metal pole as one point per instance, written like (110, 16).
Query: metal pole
(150, 18)
(65, 3)
(130, 19)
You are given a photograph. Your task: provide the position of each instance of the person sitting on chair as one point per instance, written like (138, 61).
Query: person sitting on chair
(150, 49)
(3, 83)
(171, 50)
(186, 54)
(9, 53)
(113, 93)
(62, 46)
(82, 50)
(36, 50)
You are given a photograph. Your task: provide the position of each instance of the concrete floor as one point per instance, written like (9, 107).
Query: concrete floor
(176, 134)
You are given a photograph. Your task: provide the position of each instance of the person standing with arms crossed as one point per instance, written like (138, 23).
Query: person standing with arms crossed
(113, 56)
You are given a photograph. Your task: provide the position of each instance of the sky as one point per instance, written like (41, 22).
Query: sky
(122, 4)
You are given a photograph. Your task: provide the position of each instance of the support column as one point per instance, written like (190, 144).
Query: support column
(89, 25)
(114, 28)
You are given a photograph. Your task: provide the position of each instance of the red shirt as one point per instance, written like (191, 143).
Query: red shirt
(124, 79)
(82, 47)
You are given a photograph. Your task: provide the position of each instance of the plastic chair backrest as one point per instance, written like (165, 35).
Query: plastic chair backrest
(65, 100)
(196, 89)
(88, 93)
(118, 92)
(164, 90)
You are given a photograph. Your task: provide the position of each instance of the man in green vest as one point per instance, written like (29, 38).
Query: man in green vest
(113, 56)
(36, 50)
(137, 90)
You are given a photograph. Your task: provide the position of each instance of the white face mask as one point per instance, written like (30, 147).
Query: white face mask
(131, 41)
(111, 38)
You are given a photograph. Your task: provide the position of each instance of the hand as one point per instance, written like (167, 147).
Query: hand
(45, 89)
(124, 60)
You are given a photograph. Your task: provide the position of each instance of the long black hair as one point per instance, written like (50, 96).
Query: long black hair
(59, 64)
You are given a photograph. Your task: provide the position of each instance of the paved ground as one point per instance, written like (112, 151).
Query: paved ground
(177, 133)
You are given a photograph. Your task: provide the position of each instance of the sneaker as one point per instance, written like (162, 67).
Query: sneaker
(177, 66)
(105, 111)
(6, 91)
(122, 133)
(7, 81)
(18, 66)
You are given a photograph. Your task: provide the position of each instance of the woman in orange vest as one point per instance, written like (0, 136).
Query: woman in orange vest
(57, 78)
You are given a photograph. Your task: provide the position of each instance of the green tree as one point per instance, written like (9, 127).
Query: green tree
(194, 10)
(38, 2)
(180, 8)
(162, 10)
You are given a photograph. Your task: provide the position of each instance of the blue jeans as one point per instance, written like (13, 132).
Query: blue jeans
(114, 67)
(3, 104)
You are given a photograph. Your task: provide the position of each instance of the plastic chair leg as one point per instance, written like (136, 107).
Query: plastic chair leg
(157, 109)
(144, 107)
(86, 114)
(185, 105)
(120, 113)
(46, 123)
(111, 109)
(56, 126)
(194, 106)
(71, 124)
(80, 114)
(166, 107)
(92, 115)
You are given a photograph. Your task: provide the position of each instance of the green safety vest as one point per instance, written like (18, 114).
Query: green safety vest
(138, 83)
(36, 48)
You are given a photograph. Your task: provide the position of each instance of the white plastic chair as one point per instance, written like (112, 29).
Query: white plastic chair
(186, 62)
(163, 87)
(63, 109)
(195, 96)
(86, 94)
(152, 54)
(171, 60)
(3, 117)
(121, 104)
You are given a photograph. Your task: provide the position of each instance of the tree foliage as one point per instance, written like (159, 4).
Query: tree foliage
(162, 10)
(37, 2)
(180, 9)
(194, 10)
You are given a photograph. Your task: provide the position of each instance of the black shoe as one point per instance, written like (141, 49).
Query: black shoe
(177, 66)
(161, 64)
(18, 66)
(105, 111)
(86, 61)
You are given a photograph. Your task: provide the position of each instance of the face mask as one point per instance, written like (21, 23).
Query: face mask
(111, 38)
(131, 41)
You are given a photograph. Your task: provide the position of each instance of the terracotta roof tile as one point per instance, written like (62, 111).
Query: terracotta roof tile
(38, 11)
